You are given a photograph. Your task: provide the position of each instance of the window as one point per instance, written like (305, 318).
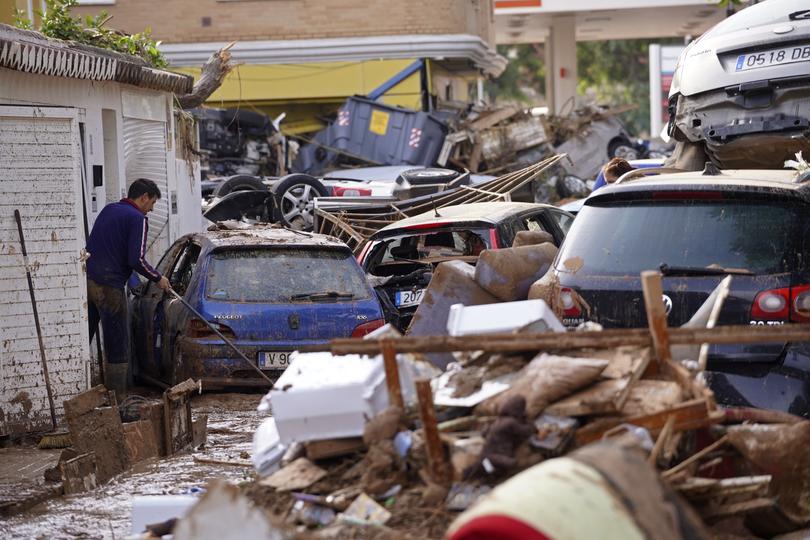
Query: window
(284, 275)
(184, 269)
(626, 238)
(563, 220)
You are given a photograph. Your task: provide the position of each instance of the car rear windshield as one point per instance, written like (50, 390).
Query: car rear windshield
(428, 246)
(281, 276)
(627, 238)
(773, 12)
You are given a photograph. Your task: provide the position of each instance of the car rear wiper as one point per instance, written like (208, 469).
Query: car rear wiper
(325, 295)
(668, 270)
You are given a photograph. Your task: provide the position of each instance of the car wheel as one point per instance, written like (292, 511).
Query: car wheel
(240, 182)
(295, 194)
(571, 186)
(429, 176)
(622, 148)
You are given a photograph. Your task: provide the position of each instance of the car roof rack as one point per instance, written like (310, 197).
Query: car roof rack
(641, 172)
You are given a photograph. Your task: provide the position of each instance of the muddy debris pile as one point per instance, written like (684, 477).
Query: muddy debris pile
(106, 437)
(488, 418)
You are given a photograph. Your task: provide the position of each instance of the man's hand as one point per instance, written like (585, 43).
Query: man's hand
(163, 284)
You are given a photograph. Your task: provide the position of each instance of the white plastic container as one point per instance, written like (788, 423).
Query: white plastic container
(150, 509)
(321, 396)
(267, 448)
(504, 317)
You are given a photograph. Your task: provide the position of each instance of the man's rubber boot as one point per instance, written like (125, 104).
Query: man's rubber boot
(116, 379)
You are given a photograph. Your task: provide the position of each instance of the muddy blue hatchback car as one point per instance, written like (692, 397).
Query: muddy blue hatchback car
(267, 289)
(696, 228)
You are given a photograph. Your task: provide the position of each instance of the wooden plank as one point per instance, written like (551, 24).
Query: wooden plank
(439, 469)
(697, 456)
(718, 512)
(30, 138)
(689, 415)
(44, 306)
(29, 125)
(493, 118)
(651, 396)
(392, 374)
(656, 315)
(44, 293)
(56, 234)
(33, 222)
(15, 260)
(504, 343)
(60, 317)
(333, 447)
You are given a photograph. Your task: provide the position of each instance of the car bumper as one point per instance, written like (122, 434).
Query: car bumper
(783, 386)
(218, 365)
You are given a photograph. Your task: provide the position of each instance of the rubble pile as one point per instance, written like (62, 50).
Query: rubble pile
(489, 417)
(510, 138)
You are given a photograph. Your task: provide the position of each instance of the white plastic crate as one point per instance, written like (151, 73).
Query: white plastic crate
(321, 396)
(504, 317)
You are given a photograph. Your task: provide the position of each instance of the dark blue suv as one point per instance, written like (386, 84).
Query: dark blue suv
(696, 228)
(268, 289)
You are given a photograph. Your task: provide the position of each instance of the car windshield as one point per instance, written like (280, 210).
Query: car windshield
(626, 238)
(428, 246)
(282, 276)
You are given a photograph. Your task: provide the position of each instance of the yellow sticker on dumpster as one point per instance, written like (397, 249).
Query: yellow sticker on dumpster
(379, 122)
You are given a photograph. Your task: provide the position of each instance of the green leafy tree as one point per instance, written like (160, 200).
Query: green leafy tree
(524, 79)
(57, 22)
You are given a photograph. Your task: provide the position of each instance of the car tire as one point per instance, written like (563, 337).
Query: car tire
(239, 182)
(431, 175)
(293, 194)
(622, 148)
(570, 186)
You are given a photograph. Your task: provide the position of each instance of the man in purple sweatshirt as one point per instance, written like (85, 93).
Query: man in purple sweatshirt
(117, 247)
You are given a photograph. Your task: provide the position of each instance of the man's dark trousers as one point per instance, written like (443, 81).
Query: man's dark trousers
(109, 306)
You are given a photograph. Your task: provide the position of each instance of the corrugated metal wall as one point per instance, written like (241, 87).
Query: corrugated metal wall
(145, 157)
(40, 176)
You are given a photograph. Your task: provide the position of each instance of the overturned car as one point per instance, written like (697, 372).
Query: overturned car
(740, 94)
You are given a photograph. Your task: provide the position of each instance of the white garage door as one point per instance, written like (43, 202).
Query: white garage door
(40, 176)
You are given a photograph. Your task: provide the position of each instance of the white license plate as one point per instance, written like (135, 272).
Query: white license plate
(409, 298)
(773, 57)
(274, 359)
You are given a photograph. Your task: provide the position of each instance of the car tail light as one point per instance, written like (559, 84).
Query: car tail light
(800, 303)
(570, 306)
(367, 328)
(785, 304)
(339, 191)
(772, 305)
(197, 329)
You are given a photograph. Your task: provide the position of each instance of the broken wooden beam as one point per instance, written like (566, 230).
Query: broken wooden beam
(656, 314)
(505, 343)
(392, 374)
(437, 463)
(689, 415)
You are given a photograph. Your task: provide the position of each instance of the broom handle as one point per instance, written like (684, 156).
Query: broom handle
(36, 319)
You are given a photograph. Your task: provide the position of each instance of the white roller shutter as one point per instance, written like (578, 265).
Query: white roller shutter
(145, 157)
(40, 176)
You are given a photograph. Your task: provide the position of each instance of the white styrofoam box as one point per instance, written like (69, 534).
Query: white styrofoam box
(321, 396)
(267, 448)
(149, 509)
(504, 317)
